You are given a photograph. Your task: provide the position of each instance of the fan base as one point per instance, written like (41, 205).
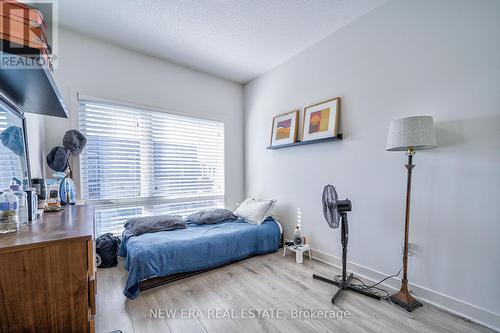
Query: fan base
(345, 285)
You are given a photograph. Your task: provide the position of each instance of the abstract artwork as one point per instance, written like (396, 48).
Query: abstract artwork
(284, 129)
(318, 121)
(321, 120)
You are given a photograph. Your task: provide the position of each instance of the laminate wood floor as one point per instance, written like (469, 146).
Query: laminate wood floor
(270, 287)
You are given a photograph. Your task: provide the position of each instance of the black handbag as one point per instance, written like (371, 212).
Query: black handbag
(106, 247)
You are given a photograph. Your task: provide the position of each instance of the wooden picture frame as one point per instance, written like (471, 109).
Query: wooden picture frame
(285, 129)
(321, 120)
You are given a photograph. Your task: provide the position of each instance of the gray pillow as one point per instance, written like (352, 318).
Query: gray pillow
(212, 216)
(141, 225)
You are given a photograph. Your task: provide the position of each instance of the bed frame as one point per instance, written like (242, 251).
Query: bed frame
(161, 280)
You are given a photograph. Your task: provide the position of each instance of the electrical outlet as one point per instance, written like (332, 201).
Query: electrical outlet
(411, 247)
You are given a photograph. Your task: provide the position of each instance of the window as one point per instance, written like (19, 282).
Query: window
(139, 162)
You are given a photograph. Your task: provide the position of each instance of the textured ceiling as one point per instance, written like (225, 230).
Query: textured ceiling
(234, 39)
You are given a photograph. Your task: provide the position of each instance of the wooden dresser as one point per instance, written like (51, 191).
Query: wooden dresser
(47, 274)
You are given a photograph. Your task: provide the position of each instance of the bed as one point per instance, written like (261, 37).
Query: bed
(160, 257)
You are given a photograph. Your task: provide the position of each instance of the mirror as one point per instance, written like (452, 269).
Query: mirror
(13, 150)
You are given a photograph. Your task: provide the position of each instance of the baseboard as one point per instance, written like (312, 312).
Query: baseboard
(460, 308)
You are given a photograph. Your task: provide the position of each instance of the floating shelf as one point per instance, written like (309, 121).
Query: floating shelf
(310, 142)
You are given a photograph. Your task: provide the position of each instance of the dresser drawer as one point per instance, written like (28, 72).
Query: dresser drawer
(44, 289)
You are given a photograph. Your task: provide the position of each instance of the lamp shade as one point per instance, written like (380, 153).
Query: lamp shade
(411, 132)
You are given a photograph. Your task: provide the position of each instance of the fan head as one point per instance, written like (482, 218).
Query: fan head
(333, 207)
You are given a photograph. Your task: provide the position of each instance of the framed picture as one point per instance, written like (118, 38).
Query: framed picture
(321, 120)
(285, 128)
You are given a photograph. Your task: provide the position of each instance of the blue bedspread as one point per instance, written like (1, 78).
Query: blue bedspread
(197, 247)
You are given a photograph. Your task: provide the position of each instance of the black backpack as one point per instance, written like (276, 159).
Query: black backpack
(106, 247)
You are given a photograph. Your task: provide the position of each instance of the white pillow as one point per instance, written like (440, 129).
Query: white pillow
(254, 211)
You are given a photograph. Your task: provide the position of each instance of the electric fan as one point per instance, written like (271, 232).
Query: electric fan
(335, 212)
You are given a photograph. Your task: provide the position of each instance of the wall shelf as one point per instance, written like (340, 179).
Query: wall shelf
(302, 143)
(32, 89)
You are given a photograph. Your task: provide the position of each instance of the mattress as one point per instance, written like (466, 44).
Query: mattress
(195, 248)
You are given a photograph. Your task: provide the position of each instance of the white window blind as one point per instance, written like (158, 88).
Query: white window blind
(140, 162)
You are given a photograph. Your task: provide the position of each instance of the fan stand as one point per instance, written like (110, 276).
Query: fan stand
(344, 284)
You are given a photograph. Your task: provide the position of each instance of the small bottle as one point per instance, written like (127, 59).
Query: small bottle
(9, 221)
(22, 205)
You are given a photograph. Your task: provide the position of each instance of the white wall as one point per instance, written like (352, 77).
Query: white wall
(98, 69)
(439, 58)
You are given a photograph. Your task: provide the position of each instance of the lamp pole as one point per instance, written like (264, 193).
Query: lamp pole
(403, 298)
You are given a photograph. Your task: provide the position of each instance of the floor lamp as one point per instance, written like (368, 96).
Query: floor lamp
(409, 134)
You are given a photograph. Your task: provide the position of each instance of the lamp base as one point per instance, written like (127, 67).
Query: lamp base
(404, 299)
